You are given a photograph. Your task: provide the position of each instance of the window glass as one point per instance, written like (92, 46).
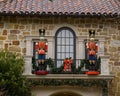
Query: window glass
(63, 33)
(58, 55)
(60, 34)
(65, 40)
(71, 41)
(71, 35)
(59, 41)
(67, 48)
(67, 33)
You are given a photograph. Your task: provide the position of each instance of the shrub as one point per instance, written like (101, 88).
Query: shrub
(11, 79)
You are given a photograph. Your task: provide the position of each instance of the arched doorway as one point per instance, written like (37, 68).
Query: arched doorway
(65, 93)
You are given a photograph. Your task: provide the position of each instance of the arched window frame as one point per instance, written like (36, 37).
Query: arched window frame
(74, 42)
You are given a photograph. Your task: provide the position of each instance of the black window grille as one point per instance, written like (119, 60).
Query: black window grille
(65, 45)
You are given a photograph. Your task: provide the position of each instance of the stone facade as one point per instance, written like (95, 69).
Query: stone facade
(14, 30)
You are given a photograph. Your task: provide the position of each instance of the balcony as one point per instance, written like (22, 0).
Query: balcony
(77, 77)
(79, 66)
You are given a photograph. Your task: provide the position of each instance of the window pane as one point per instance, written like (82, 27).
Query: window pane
(67, 48)
(71, 55)
(63, 48)
(59, 34)
(59, 63)
(71, 48)
(63, 41)
(67, 41)
(67, 33)
(58, 56)
(63, 33)
(67, 55)
(71, 41)
(71, 35)
(58, 48)
(63, 55)
(59, 41)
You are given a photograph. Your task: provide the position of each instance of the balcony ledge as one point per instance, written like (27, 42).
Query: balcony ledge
(71, 76)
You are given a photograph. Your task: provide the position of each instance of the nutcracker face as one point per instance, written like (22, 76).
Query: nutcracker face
(92, 39)
(42, 38)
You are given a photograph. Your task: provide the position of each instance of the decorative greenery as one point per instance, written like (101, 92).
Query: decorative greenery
(34, 66)
(55, 70)
(49, 62)
(97, 64)
(70, 82)
(12, 82)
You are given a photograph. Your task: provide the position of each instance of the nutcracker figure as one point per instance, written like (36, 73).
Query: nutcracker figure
(92, 49)
(41, 48)
(68, 64)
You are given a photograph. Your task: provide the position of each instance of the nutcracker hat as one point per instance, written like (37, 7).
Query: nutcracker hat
(41, 32)
(91, 33)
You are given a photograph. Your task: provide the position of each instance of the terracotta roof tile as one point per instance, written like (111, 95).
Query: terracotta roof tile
(60, 6)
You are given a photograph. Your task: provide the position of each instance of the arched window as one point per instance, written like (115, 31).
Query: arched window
(65, 45)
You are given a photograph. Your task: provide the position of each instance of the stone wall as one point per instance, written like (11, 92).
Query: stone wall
(14, 29)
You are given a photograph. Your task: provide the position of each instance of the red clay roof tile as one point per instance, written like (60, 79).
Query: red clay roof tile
(60, 6)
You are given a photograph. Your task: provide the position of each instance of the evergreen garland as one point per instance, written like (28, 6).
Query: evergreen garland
(69, 82)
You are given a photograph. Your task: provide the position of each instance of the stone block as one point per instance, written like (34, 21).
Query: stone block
(85, 30)
(94, 25)
(15, 48)
(112, 32)
(82, 20)
(33, 27)
(23, 50)
(26, 33)
(21, 27)
(118, 37)
(117, 94)
(12, 37)
(88, 20)
(101, 26)
(114, 37)
(99, 30)
(14, 31)
(13, 20)
(118, 27)
(6, 46)
(81, 26)
(118, 74)
(103, 33)
(4, 32)
(6, 19)
(1, 42)
(2, 37)
(87, 25)
(35, 20)
(1, 25)
(16, 26)
(112, 49)
(9, 26)
(118, 48)
(21, 37)
(51, 27)
(23, 21)
(15, 42)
